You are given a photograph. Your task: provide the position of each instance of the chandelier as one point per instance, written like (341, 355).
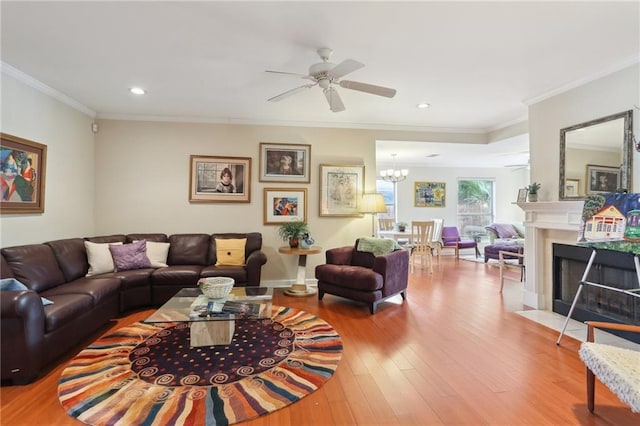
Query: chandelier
(394, 175)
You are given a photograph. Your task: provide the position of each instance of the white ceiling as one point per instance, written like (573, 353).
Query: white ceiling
(477, 63)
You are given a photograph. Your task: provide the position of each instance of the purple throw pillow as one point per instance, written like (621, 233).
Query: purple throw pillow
(130, 256)
(506, 230)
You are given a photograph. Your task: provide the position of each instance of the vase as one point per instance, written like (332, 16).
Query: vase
(294, 242)
(306, 243)
(533, 198)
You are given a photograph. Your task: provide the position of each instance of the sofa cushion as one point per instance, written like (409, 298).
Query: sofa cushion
(158, 238)
(353, 277)
(65, 309)
(157, 253)
(178, 276)
(238, 273)
(99, 289)
(503, 230)
(99, 258)
(230, 251)
(72, 257)
(35, 266)
(130, 256)
(188, 249)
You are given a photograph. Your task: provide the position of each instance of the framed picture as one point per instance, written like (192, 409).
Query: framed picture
(571, 187)
(522, 195)
(430, 194)
(284, 205)
(341, 188)
(219, 179)
(285, 163)
(602, 179)
(23, 175)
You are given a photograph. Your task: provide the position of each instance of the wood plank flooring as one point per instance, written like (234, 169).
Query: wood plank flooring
(453, 353)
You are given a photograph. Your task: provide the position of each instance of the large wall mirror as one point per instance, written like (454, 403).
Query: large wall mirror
(596, 156)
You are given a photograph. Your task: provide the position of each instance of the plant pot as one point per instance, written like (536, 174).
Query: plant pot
(294, 242)
(402, 228)
(533, 198)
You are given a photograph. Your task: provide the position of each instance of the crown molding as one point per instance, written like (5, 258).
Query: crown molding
(629, 61)
(41, 87)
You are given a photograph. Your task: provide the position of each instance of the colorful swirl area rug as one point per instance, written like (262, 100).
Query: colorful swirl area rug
(147, 374)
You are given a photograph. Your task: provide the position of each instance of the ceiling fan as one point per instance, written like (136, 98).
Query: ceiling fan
(326, 74)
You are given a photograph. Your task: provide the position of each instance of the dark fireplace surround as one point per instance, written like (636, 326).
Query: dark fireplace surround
(610, 268)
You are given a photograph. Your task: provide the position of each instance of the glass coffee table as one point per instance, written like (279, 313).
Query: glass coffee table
(212, 321)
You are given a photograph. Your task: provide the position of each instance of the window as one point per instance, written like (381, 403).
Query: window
(475, 206)
(387, 189)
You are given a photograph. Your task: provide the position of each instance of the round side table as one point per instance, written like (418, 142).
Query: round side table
(299, 288)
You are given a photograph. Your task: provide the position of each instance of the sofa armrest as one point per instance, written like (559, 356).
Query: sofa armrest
(394, 268)
(339, 255)
(22, 334)
(254, 264)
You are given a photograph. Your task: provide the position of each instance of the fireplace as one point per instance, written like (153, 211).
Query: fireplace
(610, 268)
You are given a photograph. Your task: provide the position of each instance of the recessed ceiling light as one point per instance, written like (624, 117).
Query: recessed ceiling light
(423, 105)
(137, 91)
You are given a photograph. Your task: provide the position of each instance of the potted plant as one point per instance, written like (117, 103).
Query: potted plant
(292, 231)
(533, 191)
(402, 226)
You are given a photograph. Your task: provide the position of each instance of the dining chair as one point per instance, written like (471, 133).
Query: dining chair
(437, 237)
(421, 244)
(386, 224)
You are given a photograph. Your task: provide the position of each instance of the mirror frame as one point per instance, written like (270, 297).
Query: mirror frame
(627, 151)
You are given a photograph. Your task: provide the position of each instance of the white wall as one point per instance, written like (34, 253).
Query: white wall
(611, 94)
(507, 181)
(142, 178)
(69, 189)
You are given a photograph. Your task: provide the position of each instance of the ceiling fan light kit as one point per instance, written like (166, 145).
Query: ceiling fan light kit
(326, 74)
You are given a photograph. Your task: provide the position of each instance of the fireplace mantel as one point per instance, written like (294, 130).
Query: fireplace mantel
(546, 222)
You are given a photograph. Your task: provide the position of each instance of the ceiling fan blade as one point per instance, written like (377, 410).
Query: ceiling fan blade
(335, 103)
(368, 88)
(289, 93)
(344, 68)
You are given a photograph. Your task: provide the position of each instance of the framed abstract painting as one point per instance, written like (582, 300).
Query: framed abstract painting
(23, 175)
(284, 205)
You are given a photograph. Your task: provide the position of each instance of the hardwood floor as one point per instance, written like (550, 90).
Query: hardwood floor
(453, 353)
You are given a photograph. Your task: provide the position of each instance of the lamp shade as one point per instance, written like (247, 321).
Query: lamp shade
(373, 203)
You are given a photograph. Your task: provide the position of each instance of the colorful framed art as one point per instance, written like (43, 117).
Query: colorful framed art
(284, 205)
(285, 163)
(429, 194)
(341, 189)
(219, 179)
(22, 176)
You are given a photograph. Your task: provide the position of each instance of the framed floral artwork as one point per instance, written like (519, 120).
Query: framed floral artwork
(430, 194)
(23, 175)
(281, 162)
(341, 189)
(219, 179)
(284, 205)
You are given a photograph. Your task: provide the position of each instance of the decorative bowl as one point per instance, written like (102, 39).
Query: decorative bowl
(216, 287)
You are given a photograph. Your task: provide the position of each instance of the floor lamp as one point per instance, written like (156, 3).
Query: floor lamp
(373, 203)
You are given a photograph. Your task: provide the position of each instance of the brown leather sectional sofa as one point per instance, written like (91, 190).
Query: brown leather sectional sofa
(33, 336)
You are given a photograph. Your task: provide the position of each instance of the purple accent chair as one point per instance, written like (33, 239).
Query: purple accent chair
(363, 277)
(451, 239)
